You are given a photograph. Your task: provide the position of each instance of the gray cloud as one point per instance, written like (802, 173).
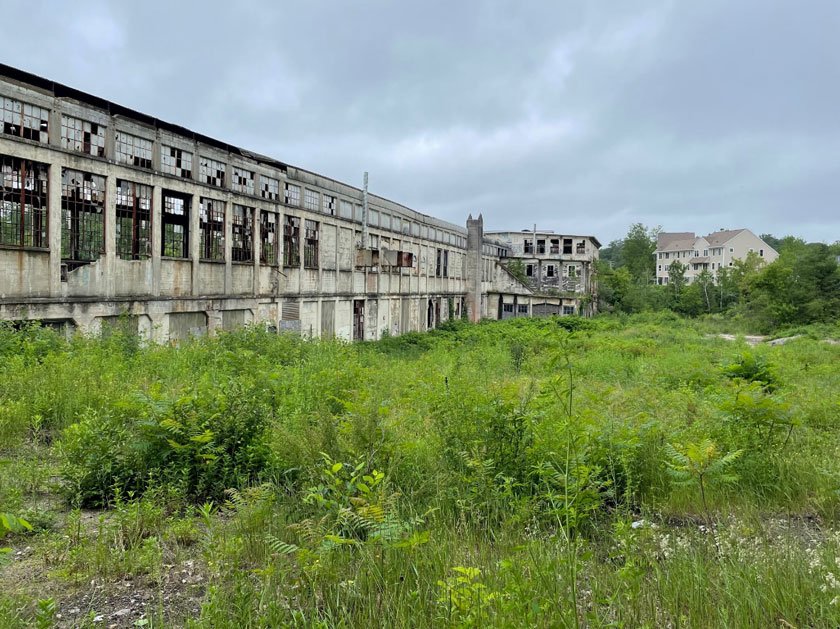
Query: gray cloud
(581, 117)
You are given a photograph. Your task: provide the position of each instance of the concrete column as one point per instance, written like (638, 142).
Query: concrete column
(475, 240)
(228, 243)
(109, 259)
(194, 246)
(157, 237)
(256, 249)
(54, 228)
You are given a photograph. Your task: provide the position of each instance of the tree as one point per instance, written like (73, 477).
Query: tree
(637, 252)
(676, 277)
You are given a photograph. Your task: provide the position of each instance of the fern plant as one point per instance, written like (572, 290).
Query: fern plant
(701, 464)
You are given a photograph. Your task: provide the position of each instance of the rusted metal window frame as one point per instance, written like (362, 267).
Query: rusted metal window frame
(211, 229)
(31, 195)
(15, 122)
(134, 210)
(87, 137)
(212, 172)
(268, 237)
(269, 188)
(139, 151)
(242, 234)
(174, 217)
(291, 194)
(82, 234)
(291, 241)
(176, 162)
(310, 244)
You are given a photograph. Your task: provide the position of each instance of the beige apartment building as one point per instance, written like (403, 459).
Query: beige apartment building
(110, 214)
(710, 253)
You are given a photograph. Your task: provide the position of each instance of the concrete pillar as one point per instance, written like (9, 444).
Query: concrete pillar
(194, 245)
(54, 228)
(228, 243)
(256, 248)
(109, 258)
(157, 237)
(475, 240)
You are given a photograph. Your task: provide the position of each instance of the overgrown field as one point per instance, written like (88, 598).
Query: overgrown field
(556, 472)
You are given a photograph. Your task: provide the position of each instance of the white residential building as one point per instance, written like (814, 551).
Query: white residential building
(707, 253)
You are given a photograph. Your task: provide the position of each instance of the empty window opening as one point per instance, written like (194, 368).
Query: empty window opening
(26, 121)
(175, 225)
(82, 216)
(132, 150)
(541, 246)
(330, 205)
(529, 246)
(581, 247)
(555, 246)
(572, 271)
(529, 270)
(439, 263)
(212, 172)
(268, 237)
(269, 188)
(23, 203)
(291, 195)
(211, 229)
(176, 162)
(550, 270)
(242, 234)
(567, 245)
(310, 245)
(82, 136)
(243, 180)
(291, 241)
(134, 220)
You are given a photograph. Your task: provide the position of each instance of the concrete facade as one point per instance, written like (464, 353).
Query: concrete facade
(710, 253)
(108, 214)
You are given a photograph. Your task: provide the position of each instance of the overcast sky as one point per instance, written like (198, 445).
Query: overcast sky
(582, 117)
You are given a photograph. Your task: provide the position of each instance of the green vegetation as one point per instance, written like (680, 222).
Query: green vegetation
(801, 287)
(620, 471)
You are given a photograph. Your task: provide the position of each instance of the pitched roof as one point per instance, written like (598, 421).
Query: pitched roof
(675, 241)
(715, 239)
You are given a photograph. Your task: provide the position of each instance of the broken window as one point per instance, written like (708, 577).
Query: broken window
(291, 195)
(541, 246)
(25, 121)
(268, 237)
(269, 188)
(23, 203)
(175, 225)
(581, 247)
(572, 271)
(243, 180)
(549, 270)
(211, 229)
(177, 162)
(310, 200)
(345, 209)
(132, 150)
(134, 220)
(438, 262)
(82, 216)
(82, 136)
(529, 246)
(310, 245)
(555, 246)
(291, 241)
(329, 205)
(567, 245)
(212, 172)
(242, 234)
(529, 270)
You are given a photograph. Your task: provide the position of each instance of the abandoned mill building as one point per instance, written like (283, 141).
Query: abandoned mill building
(109, 214)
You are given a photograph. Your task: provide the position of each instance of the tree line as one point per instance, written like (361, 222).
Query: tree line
(802, 286)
